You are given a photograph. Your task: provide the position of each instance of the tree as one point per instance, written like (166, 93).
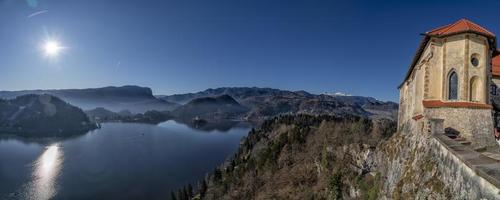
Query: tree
(336, 186)
(203, 188)
(172, 196)
(190, 191)
(185, 194)
(180, 195)
(217, 175)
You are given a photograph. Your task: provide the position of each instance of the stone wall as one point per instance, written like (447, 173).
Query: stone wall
(464, 182)
(414, 164)
(476, 125)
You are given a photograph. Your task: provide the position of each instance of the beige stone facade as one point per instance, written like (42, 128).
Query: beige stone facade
(450, 79)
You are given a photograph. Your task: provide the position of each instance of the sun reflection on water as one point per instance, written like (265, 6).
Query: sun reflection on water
(45, 172)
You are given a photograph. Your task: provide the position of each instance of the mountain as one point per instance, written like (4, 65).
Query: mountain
(264, 103)
(236, 92)
(376, 108)
(216, 108)
(132, 98)
(42, 115)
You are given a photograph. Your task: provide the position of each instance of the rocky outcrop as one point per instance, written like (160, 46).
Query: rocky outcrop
(303, 157)
(417, 164)
(347, 157)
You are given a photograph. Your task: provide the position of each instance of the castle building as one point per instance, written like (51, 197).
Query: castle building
(454, 77)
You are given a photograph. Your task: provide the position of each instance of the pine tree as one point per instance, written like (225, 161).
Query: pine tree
(172, 196)
(180, 195)
(190, 190)
(203, 188)
(217, 174)
(185, 193)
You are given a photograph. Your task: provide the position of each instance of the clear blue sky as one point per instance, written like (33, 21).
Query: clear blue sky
(356, 47)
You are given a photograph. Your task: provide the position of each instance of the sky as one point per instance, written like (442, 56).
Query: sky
(177, 46)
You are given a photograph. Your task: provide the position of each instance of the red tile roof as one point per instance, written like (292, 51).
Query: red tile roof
(495, 63)
(460, 26)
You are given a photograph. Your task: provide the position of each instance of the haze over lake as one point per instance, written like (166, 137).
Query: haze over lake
(118, 161)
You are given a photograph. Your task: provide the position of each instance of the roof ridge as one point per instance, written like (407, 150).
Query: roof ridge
(439, 28)
(462, 25)
(455, 24)
(468, 23)
(479, 27)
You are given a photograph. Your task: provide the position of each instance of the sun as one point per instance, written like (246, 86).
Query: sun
(52, 48)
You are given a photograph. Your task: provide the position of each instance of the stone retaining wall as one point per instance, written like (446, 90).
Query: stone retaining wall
(467, 172)
(476, 125)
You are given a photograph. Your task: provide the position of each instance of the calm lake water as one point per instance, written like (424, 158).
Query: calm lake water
(118, 161)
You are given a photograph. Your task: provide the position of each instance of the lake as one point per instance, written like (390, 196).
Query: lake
(117, 161)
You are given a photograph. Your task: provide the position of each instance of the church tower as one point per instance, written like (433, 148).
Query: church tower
(449, 79)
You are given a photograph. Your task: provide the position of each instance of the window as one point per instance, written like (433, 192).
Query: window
(474, 89)
(453, 86)
(474, 60)
(493, 89)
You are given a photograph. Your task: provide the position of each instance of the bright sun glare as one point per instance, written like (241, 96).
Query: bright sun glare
(52, 48)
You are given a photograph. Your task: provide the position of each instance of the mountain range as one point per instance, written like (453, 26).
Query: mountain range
(132, 98)
(263, 103)
(132, 103)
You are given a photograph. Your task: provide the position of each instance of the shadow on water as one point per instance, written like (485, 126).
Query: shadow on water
(220, 126)
(41, 140)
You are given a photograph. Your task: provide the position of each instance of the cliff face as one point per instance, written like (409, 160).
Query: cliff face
(304, 157)
(421, 164)
(325, 157)
(410, 168)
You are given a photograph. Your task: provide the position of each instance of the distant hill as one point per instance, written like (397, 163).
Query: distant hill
(267, 102)
(133, 98)
(217, 108)
(101, 113)
(150, 117)
(42, 115)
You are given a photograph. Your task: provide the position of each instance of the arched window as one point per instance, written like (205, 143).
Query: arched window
(474, 85)
(453, 86)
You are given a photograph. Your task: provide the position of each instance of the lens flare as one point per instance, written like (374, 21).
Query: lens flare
(52, 48)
